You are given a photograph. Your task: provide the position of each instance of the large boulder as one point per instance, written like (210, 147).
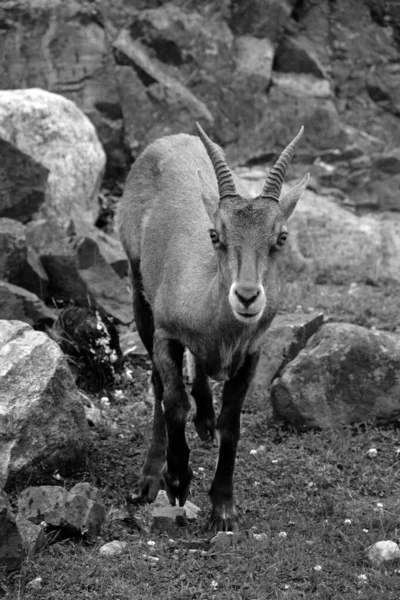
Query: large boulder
(16, 303)
(20, 264)
(287, 335)
(63, 47)
(42, 420)
(56, 134)
(11, 544)
(345, 374)
(77, 270)
(335, 246)
(22, 183)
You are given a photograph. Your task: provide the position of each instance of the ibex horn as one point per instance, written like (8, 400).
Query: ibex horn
(226, 185)
(273, 185)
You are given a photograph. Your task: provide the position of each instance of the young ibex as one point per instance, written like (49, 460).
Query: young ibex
(203, 264)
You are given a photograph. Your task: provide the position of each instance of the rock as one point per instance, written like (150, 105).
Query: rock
(35, 584)
(167, 519)
(335, 246)
(153, 102)
(57, 135)
(42, 422)
(110, 247)
(23, 183)
(20, 264)
(13, 250)
(33, 535)
(287, 335)
(223, 539)
(21, 305)
(261, 18)
(382, 552)
(84, 510)
(11, 547)
(112, 549)
(78, 271)
(346, 374)
(62, 47)
(79, 511)
(297, 55)
(192, 511)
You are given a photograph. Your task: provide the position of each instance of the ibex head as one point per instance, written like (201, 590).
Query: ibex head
(248, 233)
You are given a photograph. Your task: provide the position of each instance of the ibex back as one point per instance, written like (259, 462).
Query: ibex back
(203, 263)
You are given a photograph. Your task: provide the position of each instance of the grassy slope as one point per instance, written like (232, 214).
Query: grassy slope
(303, 484)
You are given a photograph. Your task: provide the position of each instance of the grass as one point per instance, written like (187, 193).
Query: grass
(319, 497)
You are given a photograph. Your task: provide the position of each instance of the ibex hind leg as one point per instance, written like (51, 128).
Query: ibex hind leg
(204, 420)
(151, 480)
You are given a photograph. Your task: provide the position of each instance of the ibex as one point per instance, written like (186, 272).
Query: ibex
(202, 256)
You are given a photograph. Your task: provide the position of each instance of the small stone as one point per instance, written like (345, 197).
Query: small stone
(35, 584)
(168, 518)
(192, 510)
(260, 537)
(112, 549)
(223, 539)
(383, 551)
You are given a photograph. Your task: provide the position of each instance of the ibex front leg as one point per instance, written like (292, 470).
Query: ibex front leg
(168, 357)
(223, 516)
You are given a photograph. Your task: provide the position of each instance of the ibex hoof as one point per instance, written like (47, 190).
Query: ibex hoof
(224, 519)
(149, 487)
(205, 429)
(178, 486)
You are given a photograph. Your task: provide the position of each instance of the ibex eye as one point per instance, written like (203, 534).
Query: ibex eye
(214, 236)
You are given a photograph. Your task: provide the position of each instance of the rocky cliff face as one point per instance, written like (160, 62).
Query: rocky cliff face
(250, 71)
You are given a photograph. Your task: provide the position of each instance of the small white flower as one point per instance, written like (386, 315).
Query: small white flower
(214, 584)
(171, 541)
(397, 450)
(151, 543)
(379, 505)
(256, 483)
(362, 577)
(274, 461)
(372, 452)
(292, 523)
(347, 521)
(201, 469)
(286, 586)
(282, 534)
(253, 452)
(104, 400)
(317, 568)
(119, 394)
(365, 530)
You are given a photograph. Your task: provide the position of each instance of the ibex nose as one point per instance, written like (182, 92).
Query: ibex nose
(247, 294)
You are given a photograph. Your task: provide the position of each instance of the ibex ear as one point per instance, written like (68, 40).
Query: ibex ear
(288, 202)
(208, 195)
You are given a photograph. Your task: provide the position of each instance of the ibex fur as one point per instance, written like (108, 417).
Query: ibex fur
(203, 261)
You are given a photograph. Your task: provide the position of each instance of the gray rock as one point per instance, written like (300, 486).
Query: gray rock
(13, 249)
(167, 519)
(335, 246)
(383, 552)
(33, 535)
(261, 18)
(63, 47)
(20, 264)
(18, 304)
(345, 374)
(282, 342)
(112, 549)
(42, 422)
(23, 183)
(77, 270)
(11, 546)
(55, 133)
(79, 511)
(297, 55)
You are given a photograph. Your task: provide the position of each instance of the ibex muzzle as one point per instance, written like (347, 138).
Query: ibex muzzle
(203, 262)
